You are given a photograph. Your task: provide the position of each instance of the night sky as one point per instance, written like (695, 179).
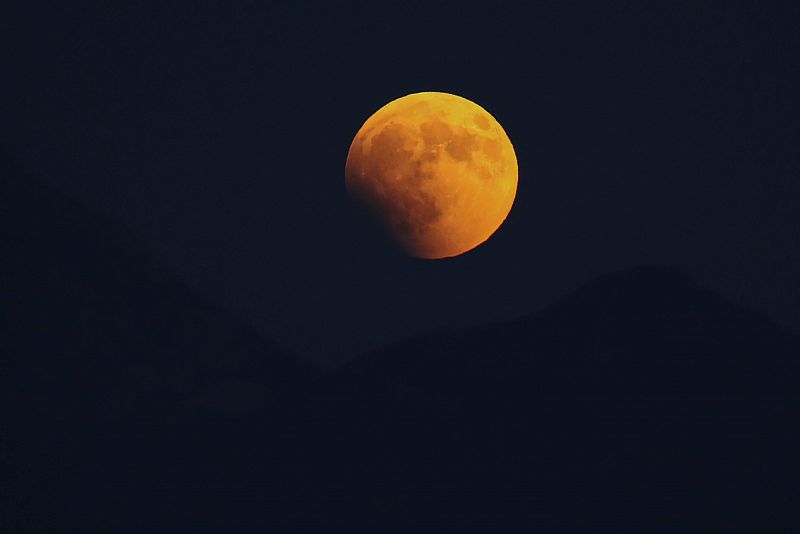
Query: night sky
(218, 133)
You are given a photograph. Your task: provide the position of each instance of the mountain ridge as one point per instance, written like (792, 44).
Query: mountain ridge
(128, 404)
(597, 314)
(99, 343)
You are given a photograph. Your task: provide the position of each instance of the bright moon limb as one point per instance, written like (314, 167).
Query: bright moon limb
(437, 170)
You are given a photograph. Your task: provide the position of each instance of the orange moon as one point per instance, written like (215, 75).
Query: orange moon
(437, 170)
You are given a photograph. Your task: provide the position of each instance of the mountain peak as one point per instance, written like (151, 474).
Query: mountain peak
(637, 287)
(645, 327)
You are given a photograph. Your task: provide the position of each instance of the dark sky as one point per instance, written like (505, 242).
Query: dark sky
(218, 132)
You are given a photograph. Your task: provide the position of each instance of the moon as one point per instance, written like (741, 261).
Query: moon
(436, 170)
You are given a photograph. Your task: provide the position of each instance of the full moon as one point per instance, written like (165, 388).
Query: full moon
(437, 170)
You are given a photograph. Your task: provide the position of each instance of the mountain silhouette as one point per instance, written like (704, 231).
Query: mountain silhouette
(639, 402)
(98, 342)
